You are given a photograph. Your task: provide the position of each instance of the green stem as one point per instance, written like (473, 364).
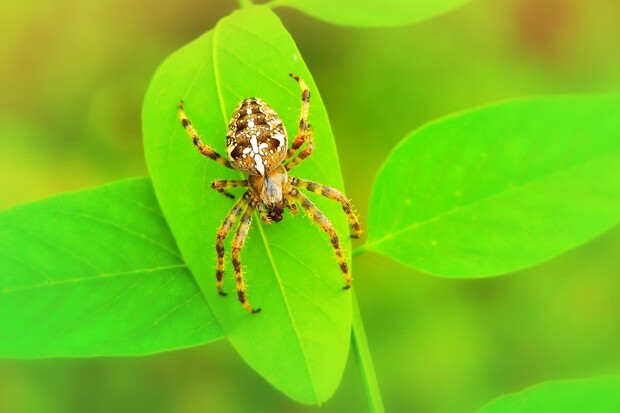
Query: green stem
(364, 361)
(245, 3)
(275, 3)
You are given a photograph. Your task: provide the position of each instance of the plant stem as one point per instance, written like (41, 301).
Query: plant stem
(364, 361)
(245, 3)
(275, 3)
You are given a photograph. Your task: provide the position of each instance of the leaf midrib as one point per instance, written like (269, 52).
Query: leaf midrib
(373, 244)
(86, 278)
(218, 88)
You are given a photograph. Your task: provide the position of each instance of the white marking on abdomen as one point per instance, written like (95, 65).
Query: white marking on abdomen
(279, 137)
(260, 167)
(254, 144)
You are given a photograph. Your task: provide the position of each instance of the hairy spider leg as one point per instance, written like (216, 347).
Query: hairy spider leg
(335, 195)
(237, 245)
(307, 151)
(222, 233)
(204, 149)
(220, 184)
(264, 216)
(291, 204)
(317, 216)
(303, 117)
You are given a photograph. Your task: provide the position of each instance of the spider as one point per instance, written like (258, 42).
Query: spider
(257, 143)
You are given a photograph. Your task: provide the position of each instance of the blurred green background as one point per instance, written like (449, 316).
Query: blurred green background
(72, 79)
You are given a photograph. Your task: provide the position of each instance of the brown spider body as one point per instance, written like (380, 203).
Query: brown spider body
(256, 143)
(256, 140)
(271, 189)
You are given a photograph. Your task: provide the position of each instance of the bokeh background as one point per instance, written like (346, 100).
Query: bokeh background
(72, 78)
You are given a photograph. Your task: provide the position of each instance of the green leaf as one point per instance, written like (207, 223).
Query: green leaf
(596, 395)
(372, 13)
(299, 342)
(96, 273)
(499, 188)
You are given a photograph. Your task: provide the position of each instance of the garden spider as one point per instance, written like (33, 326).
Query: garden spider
(256, 143)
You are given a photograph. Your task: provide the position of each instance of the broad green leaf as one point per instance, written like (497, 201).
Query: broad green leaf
(299, 342)
(372, 13)
(96, 273)
(596, 395)
(499, 188)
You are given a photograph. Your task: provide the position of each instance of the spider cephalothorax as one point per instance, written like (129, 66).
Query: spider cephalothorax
(257, 144)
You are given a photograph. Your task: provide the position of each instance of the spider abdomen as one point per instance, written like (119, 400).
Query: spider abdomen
(256, 140)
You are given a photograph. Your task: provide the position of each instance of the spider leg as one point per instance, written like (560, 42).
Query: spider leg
(303, 117)
(291, 204)
(238, 241)
(222, 233)
(264, 217)
(307, 151)
(220, 184)
(335, 195)
(317, 216)
(204, 149)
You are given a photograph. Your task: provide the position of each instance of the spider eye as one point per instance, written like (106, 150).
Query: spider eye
(277, 217)
(276, 214)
